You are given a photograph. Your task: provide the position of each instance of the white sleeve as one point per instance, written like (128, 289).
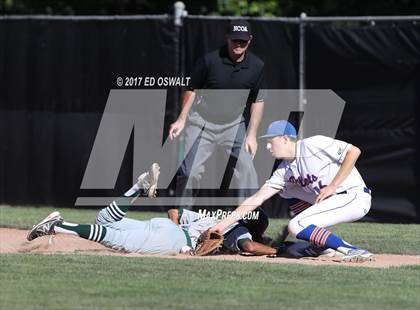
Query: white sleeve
(186, 217)
(334, 149)
(277, 179)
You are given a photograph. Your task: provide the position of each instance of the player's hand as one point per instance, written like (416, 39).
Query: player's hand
(176, 128)
(325, 192)
(251, 145)
(217, 228)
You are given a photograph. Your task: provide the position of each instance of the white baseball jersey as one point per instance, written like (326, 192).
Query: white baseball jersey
(317, 162)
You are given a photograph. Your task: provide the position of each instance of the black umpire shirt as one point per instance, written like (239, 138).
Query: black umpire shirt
(216, 70)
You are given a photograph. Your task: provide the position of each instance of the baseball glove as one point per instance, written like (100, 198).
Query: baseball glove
(208, 243)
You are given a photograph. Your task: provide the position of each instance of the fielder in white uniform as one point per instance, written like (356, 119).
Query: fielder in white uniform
(320, 171)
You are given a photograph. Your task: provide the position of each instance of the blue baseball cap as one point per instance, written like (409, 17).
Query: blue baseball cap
(280, 128)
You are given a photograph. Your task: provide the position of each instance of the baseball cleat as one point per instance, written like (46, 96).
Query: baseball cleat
(317, 251)
(148, 180)
(357, 256)
(330, 253)
(45, 227)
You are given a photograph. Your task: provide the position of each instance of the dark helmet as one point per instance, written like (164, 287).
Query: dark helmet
(257, 227)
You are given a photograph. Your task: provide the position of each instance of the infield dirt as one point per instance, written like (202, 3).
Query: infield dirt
(14, 241)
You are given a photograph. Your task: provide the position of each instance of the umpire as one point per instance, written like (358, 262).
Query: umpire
(231, 123)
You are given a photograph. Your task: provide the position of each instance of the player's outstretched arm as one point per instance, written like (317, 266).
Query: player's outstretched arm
(250, 204)
(346, 167)
(257, 248)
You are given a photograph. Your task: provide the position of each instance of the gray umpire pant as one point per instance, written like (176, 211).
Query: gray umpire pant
(201, 139)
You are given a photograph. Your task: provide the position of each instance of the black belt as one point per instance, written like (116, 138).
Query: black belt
(365, 189)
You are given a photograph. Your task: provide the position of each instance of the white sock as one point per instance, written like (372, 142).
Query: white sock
(133, 190)
(66, 231)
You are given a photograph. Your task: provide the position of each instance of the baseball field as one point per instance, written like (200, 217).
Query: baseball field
(70, 273)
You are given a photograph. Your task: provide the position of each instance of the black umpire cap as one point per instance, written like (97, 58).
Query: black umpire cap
(239, 29)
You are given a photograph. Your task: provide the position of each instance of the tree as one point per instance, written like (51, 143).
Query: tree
(214, 7)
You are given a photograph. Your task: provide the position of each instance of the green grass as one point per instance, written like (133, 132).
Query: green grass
(31, 281)
(89, 282)
(379, 238)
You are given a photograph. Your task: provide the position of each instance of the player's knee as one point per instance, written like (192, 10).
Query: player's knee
(101, 217)
(294, 227)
